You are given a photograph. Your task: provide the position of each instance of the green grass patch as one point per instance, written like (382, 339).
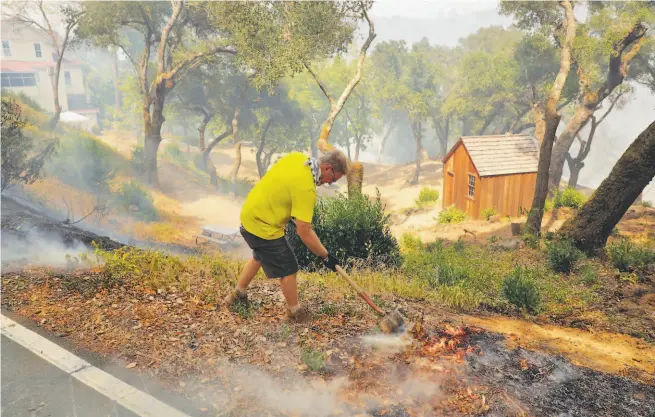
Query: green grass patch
(569, 197)
(451, 215)
(314, 359)
(488, 212)
(427, 197)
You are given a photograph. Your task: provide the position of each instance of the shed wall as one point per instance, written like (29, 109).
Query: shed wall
(508, 194)
(456, 182)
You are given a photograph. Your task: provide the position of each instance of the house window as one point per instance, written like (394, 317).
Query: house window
(6, 48)
(67, 77)
(37, 50)
(471, 186)
(18, 79)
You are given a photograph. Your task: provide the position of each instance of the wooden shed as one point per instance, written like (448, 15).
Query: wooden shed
(498, 172)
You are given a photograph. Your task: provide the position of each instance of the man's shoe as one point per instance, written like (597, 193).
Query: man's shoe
(235, 296)
(300, 316)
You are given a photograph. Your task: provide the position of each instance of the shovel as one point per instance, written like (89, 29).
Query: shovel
(391, 322)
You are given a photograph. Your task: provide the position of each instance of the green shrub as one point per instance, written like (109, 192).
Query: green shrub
(520, 289)
(314, 359)
(488, 212)
(138, 158)
(589, 274)
(83, 161)
(175, 153)
(352, 229)
(410, 242)
(570, 197)
(647, 204)
(131, 194)
(626, 256)
(563, 255)
(451, 215)
(548, 205)
(427, 196)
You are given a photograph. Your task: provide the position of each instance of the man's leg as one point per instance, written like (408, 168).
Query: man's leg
(290, 291)
(249, 271)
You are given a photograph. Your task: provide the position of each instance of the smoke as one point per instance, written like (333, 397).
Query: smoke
(36, 248)
(247, 390)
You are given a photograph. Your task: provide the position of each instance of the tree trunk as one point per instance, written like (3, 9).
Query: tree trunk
(207, 160)
(355, 176)
(619, 60)
(153, 139)
(575, 168)
(260, 149)
(416, 129)
(201, 130)
(536, 214)
(237, 150)
(595, 221)
(442, 136)
(114, 67)
(384, 140)
(358, 145)
(55, 92)
(563, 144)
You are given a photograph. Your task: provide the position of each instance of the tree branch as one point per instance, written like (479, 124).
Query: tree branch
(177, 9)
(320, 84)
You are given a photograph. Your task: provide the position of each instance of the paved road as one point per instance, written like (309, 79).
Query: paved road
(32, 387)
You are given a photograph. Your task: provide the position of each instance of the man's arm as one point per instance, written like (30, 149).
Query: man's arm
(309, 238)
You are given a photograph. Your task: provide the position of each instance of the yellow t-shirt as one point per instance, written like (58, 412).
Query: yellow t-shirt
(286, 190)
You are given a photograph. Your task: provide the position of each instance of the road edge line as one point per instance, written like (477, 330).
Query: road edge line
(124, 394)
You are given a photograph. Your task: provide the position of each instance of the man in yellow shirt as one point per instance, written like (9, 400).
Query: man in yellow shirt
(287, 190)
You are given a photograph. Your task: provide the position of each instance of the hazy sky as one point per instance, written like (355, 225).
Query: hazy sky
(426, 9)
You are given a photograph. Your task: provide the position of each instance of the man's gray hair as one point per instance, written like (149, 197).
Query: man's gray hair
(337, 159)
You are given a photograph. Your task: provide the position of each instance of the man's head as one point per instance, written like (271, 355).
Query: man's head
(334, 165)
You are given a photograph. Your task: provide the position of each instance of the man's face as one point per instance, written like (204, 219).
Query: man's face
(329, 175)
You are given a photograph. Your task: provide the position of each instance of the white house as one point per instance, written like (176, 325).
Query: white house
(28, 64)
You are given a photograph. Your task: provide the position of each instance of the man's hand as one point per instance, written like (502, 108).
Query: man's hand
(331, 262)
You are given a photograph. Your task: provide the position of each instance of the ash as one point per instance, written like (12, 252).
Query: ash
(551, 386)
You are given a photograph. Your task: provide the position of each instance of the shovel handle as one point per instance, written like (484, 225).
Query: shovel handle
(360, 292)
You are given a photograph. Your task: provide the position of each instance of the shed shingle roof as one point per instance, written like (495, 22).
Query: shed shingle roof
(503, 154)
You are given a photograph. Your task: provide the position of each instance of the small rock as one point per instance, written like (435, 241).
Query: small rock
(495, 218)
(131, 365)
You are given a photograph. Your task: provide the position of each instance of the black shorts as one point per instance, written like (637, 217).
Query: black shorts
(276, 256)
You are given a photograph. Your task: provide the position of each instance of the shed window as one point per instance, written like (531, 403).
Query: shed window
(37, 50)
(67, 77)
(471, 185)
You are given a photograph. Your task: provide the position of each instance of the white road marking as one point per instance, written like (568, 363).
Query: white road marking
(113, 388)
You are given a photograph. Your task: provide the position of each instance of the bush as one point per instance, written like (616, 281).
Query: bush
(451, 215)
(520, 289)
(85, 162)
(427, 197)
(626, 257)
(138, 158)
(411, 242)
(647, 204)
(131, 194)
(351, 229)
(488, 212)
(548, 205)
(175, 153)
(314, 359)
(563, 255)
(589, 274)
(19, 161)
(570, 197)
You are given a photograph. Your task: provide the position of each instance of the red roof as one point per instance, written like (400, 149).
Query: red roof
(10, 65)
